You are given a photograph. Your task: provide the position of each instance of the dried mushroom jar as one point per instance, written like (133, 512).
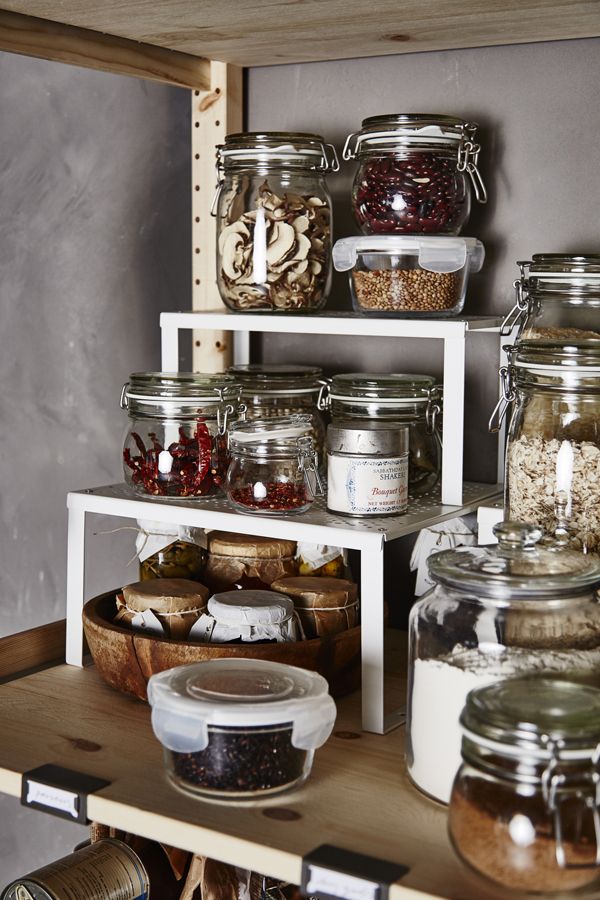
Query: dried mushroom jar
(274, 221)
(525, 804)
(176, 441)
(553, 451)
(495, 612)
(413, 174)
(558, 299)
(272, 391)
(239, 729)
(412, 400)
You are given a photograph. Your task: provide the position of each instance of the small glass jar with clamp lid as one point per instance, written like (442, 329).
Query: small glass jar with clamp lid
(176, 442)
(274, 466)
(412, 174)
(558, 299)
(274, 227)
(402, 399)
(524, 807)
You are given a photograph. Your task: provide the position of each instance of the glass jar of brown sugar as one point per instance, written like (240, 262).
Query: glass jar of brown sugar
(524, 807)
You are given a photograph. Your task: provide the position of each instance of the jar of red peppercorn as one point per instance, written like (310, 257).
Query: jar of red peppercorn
(412, 174)
(274, 466)
(176, 443)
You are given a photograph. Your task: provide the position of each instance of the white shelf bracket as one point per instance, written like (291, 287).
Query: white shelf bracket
(75, 585)
(454, 417)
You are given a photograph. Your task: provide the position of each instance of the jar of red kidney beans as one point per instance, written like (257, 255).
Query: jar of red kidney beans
(415, 174)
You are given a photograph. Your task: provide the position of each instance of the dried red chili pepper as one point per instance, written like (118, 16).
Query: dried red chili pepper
(281, 496)
(197, 467)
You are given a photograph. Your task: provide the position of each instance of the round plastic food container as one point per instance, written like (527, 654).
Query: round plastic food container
(239, 729)
(409, 275)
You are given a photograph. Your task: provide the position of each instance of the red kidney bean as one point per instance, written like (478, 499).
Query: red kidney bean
(439, 204)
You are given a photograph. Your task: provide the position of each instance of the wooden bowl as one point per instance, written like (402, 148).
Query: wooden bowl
(126, 659)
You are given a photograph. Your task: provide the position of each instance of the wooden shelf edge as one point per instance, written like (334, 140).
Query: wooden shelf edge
(45, 39)
(32, 648)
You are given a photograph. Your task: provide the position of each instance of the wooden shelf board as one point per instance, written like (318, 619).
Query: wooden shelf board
(277, 31)
(358, 796)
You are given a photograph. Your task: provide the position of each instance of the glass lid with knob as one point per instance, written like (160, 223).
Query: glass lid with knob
(517, 567)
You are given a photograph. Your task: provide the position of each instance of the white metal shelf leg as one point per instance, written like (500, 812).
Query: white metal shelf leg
(169, 347)
(454, 418)
(372, 640)
(75, 586)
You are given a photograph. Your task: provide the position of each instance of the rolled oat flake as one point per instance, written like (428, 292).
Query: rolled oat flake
(107, 870)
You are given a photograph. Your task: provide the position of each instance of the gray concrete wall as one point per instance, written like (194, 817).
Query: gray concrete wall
(94, 243)
(537, 105)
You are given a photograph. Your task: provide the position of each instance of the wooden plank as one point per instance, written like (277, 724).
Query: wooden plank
(38, 37)
(358, 796)
(215, 113)
(29, 649)
(248, 33)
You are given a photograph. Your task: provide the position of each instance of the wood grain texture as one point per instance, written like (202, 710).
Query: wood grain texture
(32, 648)
(250, 33)
(38, 37)
(215, 112)
(358, 796)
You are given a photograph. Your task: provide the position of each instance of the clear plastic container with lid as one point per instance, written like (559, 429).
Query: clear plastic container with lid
(274, 221)
(247, 616)
(394, 275)
(413, 173)
(405, 399)
(495, 613)
(176, 441)
(271, 391)
(274, 466)
(240, 729)
(524, 808)
(558, 299)
(553, 451)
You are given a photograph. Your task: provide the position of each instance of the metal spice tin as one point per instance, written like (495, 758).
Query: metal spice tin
(107, 870)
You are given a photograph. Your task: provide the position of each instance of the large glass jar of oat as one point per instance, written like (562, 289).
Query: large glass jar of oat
(412, 400)
(273, 214)
(176, 441)
(413, 174)
(496, 612)
(553, 452)
(524, 807)
(272, 391)
(557, 299)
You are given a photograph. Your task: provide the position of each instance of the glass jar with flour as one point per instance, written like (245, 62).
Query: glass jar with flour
(495, 612)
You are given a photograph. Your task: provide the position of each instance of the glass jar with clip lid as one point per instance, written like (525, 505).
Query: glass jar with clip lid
(524, 810)
(176, 441)
(412, 173)
(274, 466)
(403, 399)
(557, 299)
(274, 228)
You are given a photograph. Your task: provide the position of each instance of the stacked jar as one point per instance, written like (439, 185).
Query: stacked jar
(552, 383)
(411, 197)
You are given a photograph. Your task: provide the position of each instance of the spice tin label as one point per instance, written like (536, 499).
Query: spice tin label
(367, 486)
(332, 873)
(59, 791)
(52, 797)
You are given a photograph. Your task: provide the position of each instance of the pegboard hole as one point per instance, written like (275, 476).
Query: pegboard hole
(217, 123)
(197, 343)
(196, 124)
(218, 345)
(197, 219)
(217, 90)
(197, 187)
(197, 250)
(196, 93)
(197, 156)
(197, 281)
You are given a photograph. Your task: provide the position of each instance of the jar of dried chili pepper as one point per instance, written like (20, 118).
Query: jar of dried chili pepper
(176, 442)
(412, 174)
(274, 466)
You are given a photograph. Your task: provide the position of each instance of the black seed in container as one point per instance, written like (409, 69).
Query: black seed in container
(243, 762)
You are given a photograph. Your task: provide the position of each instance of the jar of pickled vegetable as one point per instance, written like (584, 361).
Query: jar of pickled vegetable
(274, 228)
(176, 442)
(414, 174)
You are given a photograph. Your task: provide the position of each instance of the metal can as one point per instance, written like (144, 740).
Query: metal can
(367, 469)
(106, 870)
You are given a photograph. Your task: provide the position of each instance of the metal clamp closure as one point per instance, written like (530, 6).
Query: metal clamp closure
(507, 395)
(468, 158)
(555, 792)
(222, 418)
(349, 152)
(330, 163)
(124, 401)
(517, 313)
(324, 399)
(434, 408)
(308, 465)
